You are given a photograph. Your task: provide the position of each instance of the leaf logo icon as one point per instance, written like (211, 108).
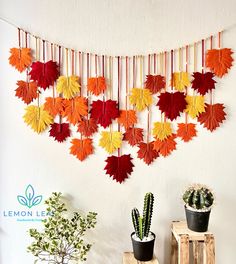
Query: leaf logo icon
(29, 199)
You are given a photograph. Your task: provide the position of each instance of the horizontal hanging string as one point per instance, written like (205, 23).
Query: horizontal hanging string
(124, 56)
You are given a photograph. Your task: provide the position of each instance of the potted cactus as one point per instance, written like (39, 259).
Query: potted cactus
(198, 203)
(142, 239)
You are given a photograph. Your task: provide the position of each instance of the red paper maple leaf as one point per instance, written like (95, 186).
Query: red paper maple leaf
(104, 111)
(26, 91)
(172, 104)
(119, 168)
(81, 148)
(186, 131)
(155, 83)
(213, 116)
(147, 153)
(60, 132)
(87, 127)
(166, 146)
(133, 135)
(45, 74)
(203, 82)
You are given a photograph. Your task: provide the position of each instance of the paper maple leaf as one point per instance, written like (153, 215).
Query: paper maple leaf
(147, 153)
(180, 80)
(203, 82)
(20, 58)
(37, 118)
(133, 135)
(140, 98)
(119, 168)
(162, 130)
(172, 104)
(166, 146)
(213, 116)
(110, 141)
(26, 91)
(45, 74)
(68, 86)
(87, 127)
(97, 85)
(81, 148)
(54, 106)
(195, 105)
(127, 118)
(219, 61)
(104, 111)
(186, 131)
(60, 132)
(155, 83)
(75, 109)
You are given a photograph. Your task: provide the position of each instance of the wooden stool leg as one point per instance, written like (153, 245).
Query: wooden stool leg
(183, 250)
(174, 249)
(196, 252)
(209, 249)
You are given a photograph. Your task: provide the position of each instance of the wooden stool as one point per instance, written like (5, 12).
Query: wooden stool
(128, 258)
(203, 245)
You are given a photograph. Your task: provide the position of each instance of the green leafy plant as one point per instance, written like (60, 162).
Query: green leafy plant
(62, 238)
(198, 197)
(142, 223)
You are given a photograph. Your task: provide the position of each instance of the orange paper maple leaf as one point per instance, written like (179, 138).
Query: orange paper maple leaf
(20, 58)
(166, 146)
(133, 135)
(54, 106)
(81, 148)
(127, 118)
(147, 152)
(97, 85)
(186, 131)
(213, 116)
(26, 91)
(87, 127)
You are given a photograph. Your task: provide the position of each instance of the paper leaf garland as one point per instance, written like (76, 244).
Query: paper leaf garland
(75, 109)
(45, 74)
(147, 153)
(110, 141)
(180, 80)
(155, 83)
(166, 146)
(213, 116)
(140, 98)
(37, 118)
(26, 91)
(60, 132)
(172, 104)
(54, 106)
(162, 130)
(119, 168)
(97, 85)
(68, 86)
(127, 118)
(104, 112)
(87, 127)
(133, 135)
(195, 105)
(20, 58)
(186, 131)
(219, 61)
(203, 82)
(81, 148)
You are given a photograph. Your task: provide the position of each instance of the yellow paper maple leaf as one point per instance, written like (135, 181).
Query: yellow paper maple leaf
(195, 105)
(141, 98)
(110, 141)
(37, 118)
(162, 130)
(181, 80)
(69, 86)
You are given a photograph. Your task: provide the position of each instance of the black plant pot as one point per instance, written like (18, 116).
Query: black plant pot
(197, 221)
(143, 250)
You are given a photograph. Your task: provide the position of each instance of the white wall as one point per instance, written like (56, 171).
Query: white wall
(116, 27)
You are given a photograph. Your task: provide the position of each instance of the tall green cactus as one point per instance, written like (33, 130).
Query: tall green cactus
(198, 197)
(142, 224)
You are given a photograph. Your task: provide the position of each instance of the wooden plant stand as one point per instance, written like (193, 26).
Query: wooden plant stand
(128, 258)
(202, 243)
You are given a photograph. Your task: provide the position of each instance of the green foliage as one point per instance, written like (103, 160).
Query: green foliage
(62, 238)
(142, 224)
(198, 197)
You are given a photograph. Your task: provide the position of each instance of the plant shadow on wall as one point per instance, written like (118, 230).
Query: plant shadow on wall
(63, 239)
